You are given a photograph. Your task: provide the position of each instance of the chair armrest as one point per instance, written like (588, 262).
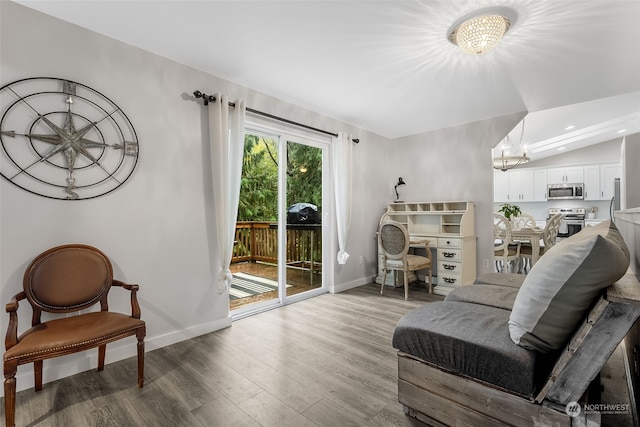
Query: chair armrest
(428, 249)
(518, 245)
(135, 307)
(11, 338)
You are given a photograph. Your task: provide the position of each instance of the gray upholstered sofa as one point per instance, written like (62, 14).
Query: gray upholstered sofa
(521, 350)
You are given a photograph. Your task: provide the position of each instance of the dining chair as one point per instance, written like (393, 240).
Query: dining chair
(505, 249)
(395, 243)
(549, 238)
(523, 220)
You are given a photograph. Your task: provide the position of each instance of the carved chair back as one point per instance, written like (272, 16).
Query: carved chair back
(66, 279)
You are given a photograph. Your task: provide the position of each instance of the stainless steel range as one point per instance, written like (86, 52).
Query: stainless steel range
(572, 222)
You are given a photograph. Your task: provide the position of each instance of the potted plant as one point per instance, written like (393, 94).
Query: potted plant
(509, 211)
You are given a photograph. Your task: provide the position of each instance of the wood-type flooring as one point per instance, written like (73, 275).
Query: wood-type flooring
(325, 361)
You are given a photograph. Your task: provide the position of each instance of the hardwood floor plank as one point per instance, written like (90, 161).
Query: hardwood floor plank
(223, 412)
(327, 413)
(115, 412)
(275, 382)
(159, 405)
(269, 411)
(188, 386)
(393, 415)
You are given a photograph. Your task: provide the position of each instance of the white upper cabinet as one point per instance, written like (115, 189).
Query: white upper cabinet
(521, 185)
(540, 181)
(530, 184)
(598, 181)
(573, 174)
(500, 186)
(607, 175)
(592, 182)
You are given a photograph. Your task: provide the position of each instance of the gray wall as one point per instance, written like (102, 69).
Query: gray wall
(631, 171)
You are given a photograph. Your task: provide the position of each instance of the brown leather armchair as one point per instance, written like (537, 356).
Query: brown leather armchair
(67, 279)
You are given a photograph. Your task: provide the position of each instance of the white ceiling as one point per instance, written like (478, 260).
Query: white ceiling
(388, 67)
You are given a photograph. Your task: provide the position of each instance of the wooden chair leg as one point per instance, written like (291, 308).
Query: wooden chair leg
(102, 351)
(140, 336)
(384, 280)
(430, 282)
(406, 285)
(37, 372)
(10, 394)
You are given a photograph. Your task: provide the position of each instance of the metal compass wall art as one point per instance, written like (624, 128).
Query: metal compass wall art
(64, 140)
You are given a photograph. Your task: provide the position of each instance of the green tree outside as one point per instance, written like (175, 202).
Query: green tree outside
(259, 183)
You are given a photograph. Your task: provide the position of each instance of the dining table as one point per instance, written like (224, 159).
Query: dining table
(532, 235)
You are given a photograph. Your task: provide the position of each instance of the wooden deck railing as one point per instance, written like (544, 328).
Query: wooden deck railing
(258, 241)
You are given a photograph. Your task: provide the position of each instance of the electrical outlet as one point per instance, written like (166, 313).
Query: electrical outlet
(361, 259)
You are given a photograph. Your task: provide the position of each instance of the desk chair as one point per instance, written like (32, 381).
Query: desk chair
(394, 241)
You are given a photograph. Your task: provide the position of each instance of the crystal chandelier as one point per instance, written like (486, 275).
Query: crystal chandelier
(479, 34)
(505, 161)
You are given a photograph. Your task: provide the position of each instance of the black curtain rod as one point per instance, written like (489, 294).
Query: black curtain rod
(211, 98)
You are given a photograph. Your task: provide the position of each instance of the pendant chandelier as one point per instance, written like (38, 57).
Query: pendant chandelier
(507, 161)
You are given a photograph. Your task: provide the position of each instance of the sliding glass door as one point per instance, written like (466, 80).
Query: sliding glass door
(303, 237)
(278, 252)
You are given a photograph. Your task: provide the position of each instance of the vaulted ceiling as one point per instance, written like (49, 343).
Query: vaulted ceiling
(388, 67)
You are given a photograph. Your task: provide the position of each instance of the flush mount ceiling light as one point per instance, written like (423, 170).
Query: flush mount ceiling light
(480, 32)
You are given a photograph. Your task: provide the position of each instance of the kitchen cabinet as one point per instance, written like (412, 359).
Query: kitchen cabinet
(521, 185)
(598, 181)
(500, 186)
(607, 175)
(530, 184)
(592, 182)
(540, 181)
(524, 185)
(563, 175)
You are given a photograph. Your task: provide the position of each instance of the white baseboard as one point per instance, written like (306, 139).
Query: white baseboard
(334, 289)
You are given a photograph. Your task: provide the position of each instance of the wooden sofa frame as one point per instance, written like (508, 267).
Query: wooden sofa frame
(442, 398)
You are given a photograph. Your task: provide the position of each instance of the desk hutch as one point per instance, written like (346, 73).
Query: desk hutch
(449, 226)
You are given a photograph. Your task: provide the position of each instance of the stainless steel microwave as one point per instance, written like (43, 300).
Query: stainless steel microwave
(565, 191)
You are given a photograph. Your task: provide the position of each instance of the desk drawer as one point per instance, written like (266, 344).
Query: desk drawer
(449, 279)
(448, 267)
(449, 255)
(449, 243)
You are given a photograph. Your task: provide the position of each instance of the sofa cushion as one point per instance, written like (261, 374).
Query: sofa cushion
(503, 279)
(471, 340)
(492, 295)
(562, 286)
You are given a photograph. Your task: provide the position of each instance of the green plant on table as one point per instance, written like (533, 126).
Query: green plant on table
(509, 211)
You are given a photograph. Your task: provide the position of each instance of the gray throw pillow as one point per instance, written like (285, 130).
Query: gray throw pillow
(564, 283)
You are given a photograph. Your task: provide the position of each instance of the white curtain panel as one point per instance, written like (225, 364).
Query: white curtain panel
(226, 134)
(342, 149)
